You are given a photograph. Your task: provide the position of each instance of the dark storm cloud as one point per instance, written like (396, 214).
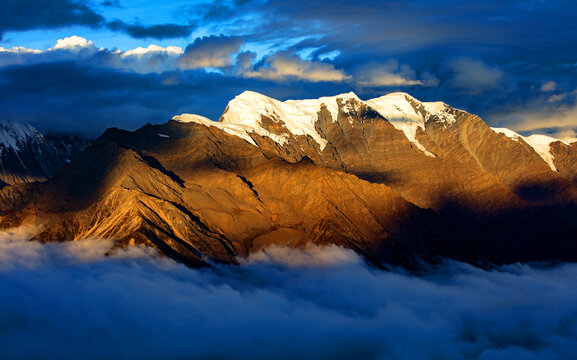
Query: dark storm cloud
(319, 303)
(426, 31)
(161, 31)
(46, 14)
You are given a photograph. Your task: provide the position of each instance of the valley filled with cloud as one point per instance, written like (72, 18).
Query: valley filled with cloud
(62, 300)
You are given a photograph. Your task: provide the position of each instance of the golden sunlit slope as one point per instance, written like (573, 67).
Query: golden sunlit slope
(392, 178)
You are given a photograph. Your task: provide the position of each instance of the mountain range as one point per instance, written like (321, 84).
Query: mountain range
(395, 179)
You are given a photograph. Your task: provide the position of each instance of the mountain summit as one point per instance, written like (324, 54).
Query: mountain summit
(393, 178)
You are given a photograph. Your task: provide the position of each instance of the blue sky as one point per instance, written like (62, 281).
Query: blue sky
(82, 66)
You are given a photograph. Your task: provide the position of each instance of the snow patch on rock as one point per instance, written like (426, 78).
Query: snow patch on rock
(250, 107)
(540, 143)
(312, 107)
(400, 112)
(14, 135)
(233, 129)
(244, 115)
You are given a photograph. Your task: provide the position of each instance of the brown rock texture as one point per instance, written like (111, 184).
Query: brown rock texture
(396, 180)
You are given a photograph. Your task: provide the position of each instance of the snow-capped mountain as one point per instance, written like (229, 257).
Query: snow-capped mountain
(27, 155)
(393, 178)
(244, 115)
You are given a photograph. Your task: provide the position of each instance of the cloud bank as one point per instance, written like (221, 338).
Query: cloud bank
(62, 300)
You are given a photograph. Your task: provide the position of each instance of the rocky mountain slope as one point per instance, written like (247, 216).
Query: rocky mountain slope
(27, 155)
(393, 178)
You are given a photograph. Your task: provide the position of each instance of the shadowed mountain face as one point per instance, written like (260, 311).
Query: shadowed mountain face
(26, 155)
(394, 179)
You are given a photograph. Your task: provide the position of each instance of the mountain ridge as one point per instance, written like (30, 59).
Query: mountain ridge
(421, 182)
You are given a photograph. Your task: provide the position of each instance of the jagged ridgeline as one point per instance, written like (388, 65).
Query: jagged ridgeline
(27, 155)
(397, 180)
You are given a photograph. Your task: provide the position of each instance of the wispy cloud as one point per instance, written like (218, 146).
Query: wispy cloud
(284, 66)
(549, 86)
(391, 73)
(473, 76)
(554, 113)
(157, 31)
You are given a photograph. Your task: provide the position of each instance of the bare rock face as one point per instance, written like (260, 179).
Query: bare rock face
(394, 179)
(564, 155)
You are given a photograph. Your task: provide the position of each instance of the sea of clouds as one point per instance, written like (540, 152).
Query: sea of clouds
(70, 301)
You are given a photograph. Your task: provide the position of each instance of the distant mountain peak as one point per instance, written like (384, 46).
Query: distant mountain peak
(13, 135)
(27, 155)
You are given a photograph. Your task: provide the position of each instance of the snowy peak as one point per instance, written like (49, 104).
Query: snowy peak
(313, 106)
(14, 135)
(408, 114)
(540, 143)
(399, 111)
(26, 155)
(271, 118)
(254, 113)
(251, 112)
(402, 107)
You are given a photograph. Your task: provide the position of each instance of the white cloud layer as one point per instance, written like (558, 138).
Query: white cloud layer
(66, 301)
(153, 58)
(73, 43)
